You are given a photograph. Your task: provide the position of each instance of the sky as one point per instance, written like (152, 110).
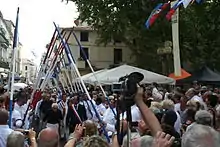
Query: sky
(36, 22)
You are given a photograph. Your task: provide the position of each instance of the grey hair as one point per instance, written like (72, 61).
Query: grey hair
(204, 117)
(15, 139)
(200, 136)
(95, 141)
(146, 141)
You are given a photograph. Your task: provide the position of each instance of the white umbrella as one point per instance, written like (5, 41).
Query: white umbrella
(17, 86)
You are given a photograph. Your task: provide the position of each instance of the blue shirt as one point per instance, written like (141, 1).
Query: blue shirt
(4, 132)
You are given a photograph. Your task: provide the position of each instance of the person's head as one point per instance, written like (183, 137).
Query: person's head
(54, 106)
(169, 118)
(75, 99)
(15, 139)
(203, 90)
(112, 101)
(212, 100)
(4, 116)
(64, 96)
(156, 105)
(98, 100)
(190, 93)
(48, 138)
(48, 96)
(200, 136)
(21, 98)
(94, 97)
(203, 117)
(192, 104)
(168, 104)
(177, 97)
(95, 141)
(90, 128)
(137, 141)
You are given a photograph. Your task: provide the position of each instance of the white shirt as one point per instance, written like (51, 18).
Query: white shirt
(178, 124)
(135, 113)
(4, 132)
(101, 109)
(156, 94)
(177, 109)
(16, 120)
(22, 110)
(200, 100)
(109, 119)
(37, 109)
(197, 98)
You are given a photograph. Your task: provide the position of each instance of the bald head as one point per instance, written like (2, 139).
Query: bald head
(48, 138)
(3, 116)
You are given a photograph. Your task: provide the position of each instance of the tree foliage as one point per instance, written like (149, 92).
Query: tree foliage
(124, 20)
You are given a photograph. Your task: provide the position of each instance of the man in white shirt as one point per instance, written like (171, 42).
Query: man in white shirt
(109, 118)
(16, 122)
(156, 94)
(21, 106)
(100, 107)
(4, 128)
(135, 114)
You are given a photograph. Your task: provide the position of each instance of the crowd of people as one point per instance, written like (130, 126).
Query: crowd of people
(159, 118)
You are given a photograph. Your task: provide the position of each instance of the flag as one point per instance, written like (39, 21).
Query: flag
(11, 82)
(173, 9)
(15, 41)
(153, 16)
(186, 3)
(156, 13)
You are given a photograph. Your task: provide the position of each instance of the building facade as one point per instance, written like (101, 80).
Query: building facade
(100, 55)
(6, 42)
(29, 70)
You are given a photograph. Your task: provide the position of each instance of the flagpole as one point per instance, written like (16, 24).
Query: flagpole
(175, 37)
(15, 43)
(93, 72)
(67, 51)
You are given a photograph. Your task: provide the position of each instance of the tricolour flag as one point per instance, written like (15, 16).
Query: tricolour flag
(153, 16)
(156, 13)
(173, 9)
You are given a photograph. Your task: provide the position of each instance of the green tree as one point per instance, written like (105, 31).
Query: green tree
(199, 35)
(124, 20)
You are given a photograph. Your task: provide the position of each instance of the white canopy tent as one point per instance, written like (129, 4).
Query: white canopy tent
(17, 86)
(112, 76)
(87, 77)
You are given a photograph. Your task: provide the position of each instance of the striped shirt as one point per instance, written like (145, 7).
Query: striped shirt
(61, 105)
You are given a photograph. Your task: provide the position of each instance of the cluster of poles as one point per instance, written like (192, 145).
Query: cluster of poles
(57, 63)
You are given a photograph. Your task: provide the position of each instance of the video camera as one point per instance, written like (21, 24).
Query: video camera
(129, 87)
